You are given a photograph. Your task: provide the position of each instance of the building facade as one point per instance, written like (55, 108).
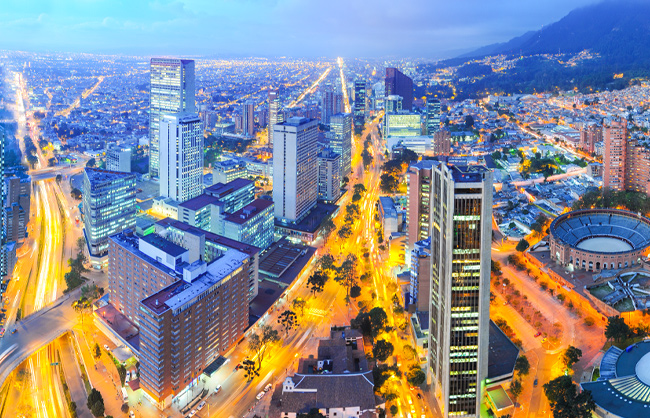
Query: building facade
(615, 155)
(248, 116)
(172, 91)
(442, 142)
(340, 140)
(433, 117)
(418, 197)
(181, 156)
(589, 136)
(228, 170)
(402, 124)
(275, 113)
(17, 206)
(329, 181)
(331, 104)
(295, 168)
(420, 286)
(359, 104)
(401, 85)
(252, 224)
(461, 233)
(118, 159)
(108, 199)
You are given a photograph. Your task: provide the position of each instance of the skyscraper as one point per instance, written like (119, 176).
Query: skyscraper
(433, 116)
(3, 249)
(118, 158)
(295, 168)
(589, 135)
(340, 140)
(329, 183)
(172, 91)
(275, 112)
(359, 104)
(331, 104)
(393, 104)
(615, 155)
(418, 195)
(108, 199)
(401, 85)
(461, 216)
(181, 156)
(249, 119)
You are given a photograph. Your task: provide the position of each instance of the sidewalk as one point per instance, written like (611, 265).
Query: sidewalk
(73, 376)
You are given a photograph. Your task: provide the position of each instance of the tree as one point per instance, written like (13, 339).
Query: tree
(97, 352)
(58, 178)
(355, 291)
(571, 356)
(80, 306)
(250, 369)
(345, 232)
(125, 408)
(259, 343)
(522, 245)
(121, 371)
(469, 121)
(346, 274)
(317, 282)
(516, 388)
(495, 267)
(415, 376)
(565, 400)
(313, 413)
(522, 366)
(378, 320)
(299, 305)
(616, 328)
(289, 320)
(382, 350)
(95, 403)
(328, 226)
(326, 263)
(91, 163)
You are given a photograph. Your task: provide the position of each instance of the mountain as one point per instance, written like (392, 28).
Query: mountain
(614, 29)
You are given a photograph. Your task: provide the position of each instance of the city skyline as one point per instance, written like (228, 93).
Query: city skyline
(425, 29)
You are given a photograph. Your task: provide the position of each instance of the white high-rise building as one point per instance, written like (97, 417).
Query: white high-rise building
(459, 313)
(295, 168)
(181, 156)
(118, 158)
(275, 112)
(171, 91)
(329, 184)
(340, 140)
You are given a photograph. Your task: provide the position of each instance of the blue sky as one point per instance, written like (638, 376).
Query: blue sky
(298, 28)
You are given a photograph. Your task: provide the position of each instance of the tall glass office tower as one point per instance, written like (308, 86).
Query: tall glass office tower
(275, 113)
(359, 104)
(340, 140)
(461, 215)
(171, 91)
(433, 117)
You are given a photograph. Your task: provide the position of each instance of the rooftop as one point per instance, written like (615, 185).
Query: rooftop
(248, 211)
(503, 353)
(96, 175)
(220, 190)
(468, 173)
(164, 245)
(199, 202)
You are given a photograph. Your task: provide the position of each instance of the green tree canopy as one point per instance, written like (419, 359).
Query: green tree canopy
(382, 350)
(565, 400)
(616, 328)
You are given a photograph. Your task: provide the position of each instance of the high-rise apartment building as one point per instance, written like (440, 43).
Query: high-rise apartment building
(295, 168)
(181, 156)
(433, 117)
(172, 91)
(461, 233)
(331, 104)
(248, 116)
(442, 142)
(275, 112)
(4, 264)
(329, 182)
(615, 155)
(400, 85)
(359, 104)
(118, 158)
(589, 136)
(418, 194)
(188, 311)
(340, 140)
(108, 199)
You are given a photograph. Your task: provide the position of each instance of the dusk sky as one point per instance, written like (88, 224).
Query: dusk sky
(297, 28)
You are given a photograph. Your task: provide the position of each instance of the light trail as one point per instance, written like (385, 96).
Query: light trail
(311, 88)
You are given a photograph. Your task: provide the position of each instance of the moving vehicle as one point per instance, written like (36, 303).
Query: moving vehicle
(538, 334)
(268, 387)
(260, 395)
(131, 414)
(217, 389)
(106, 347)
(125, 396)
(200, 406)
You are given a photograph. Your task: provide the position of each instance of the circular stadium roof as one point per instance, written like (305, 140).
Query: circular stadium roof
(602, 230)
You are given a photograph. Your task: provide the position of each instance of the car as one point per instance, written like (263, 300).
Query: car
(106, 347)
(15, 330)
(535, 382)
(268, 387)
(544, 339)
(200, 406)
(238, 366)
(260, 395)
(419, 395)
(131, 414)
(128, 376)
(538, 334)
(217, 389)
(192, 413)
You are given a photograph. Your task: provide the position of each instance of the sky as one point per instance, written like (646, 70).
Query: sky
(272, 28)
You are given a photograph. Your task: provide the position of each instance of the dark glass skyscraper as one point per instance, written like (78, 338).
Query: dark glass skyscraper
(359, 104)
(433, 117)
(461, 216)
(400, 85)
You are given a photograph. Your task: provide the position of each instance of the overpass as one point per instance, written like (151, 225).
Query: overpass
(37, 331)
